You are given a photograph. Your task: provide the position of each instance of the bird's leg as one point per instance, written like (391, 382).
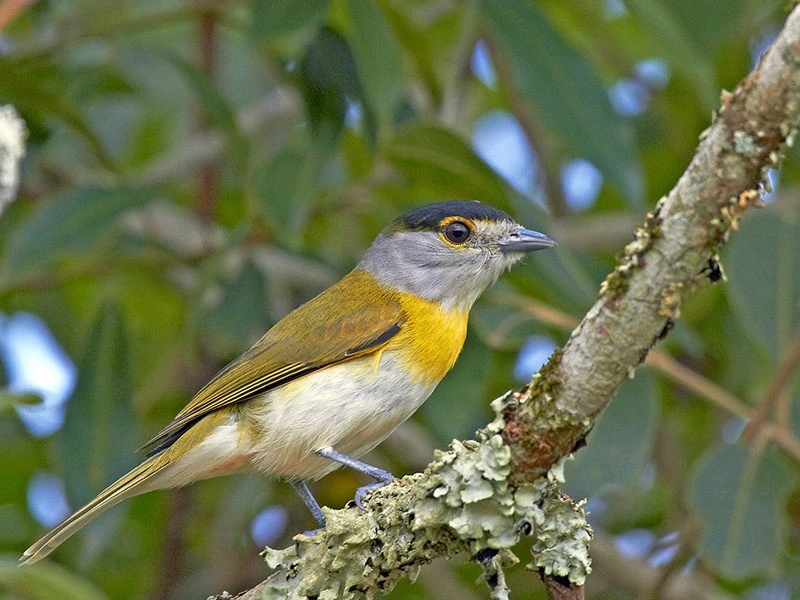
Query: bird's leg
(383, 477)
(302, 490)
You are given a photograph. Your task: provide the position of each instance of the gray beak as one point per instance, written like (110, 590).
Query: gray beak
(525, 240)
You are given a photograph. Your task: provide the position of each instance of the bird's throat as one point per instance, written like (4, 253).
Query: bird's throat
(431, 338)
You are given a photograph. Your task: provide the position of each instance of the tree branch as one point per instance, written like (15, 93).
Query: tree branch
(481, 496)
(769, 401)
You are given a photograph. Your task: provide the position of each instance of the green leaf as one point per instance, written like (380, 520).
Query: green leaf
(329, 78)
(377, 56)
(40, 92)
(740, 496)
(437, 158)
(47, 581)
(148, 297)
(277, 17)
(149, 139)
(92, 83)
(620, 443)
(763, 271)
(98, 441)
(416, 43)
(216, 108)
(568, 97)
(240, 317)
(282, 189)
(674, 41)
(76, 221)
(357, 155)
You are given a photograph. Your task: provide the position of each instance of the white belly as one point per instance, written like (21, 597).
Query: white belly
(351, 407)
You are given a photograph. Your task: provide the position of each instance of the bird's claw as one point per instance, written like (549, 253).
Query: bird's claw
(310, 532)
(366, 489)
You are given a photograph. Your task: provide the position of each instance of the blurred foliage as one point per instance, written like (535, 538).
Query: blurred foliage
(196, 169)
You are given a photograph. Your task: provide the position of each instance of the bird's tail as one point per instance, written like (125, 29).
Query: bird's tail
(135, 482)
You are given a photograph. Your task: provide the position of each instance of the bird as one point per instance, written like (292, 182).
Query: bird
(332, 379)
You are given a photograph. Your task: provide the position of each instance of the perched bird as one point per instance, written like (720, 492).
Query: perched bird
(335, 377)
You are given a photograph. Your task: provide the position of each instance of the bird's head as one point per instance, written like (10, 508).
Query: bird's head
(449, 252)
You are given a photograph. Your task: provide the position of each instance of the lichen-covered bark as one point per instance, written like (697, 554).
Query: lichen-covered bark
(464, 502)
(481, 495)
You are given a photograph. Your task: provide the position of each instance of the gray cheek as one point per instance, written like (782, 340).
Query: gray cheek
(418, 263)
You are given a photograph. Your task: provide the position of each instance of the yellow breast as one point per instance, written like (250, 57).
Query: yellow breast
(431, 338)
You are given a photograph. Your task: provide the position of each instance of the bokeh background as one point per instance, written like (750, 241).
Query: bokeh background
(198, 168)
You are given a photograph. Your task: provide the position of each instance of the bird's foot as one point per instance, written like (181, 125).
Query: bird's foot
(383, 477)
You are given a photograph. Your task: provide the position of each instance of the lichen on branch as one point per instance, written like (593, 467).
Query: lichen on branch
(464, 502)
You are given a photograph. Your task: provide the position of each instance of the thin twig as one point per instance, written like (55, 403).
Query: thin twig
(605, 231)
(768, 402)
(663, 363)
(101, 268)
(206, 171)
(702, 386)
(75, 31)
(539, 310)
(783, 437)
(551, 183)
(679, 373)
(449, 113)
(172, 559)
(306, 273)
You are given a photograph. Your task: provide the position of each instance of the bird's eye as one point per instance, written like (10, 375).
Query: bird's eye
(457, 232)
